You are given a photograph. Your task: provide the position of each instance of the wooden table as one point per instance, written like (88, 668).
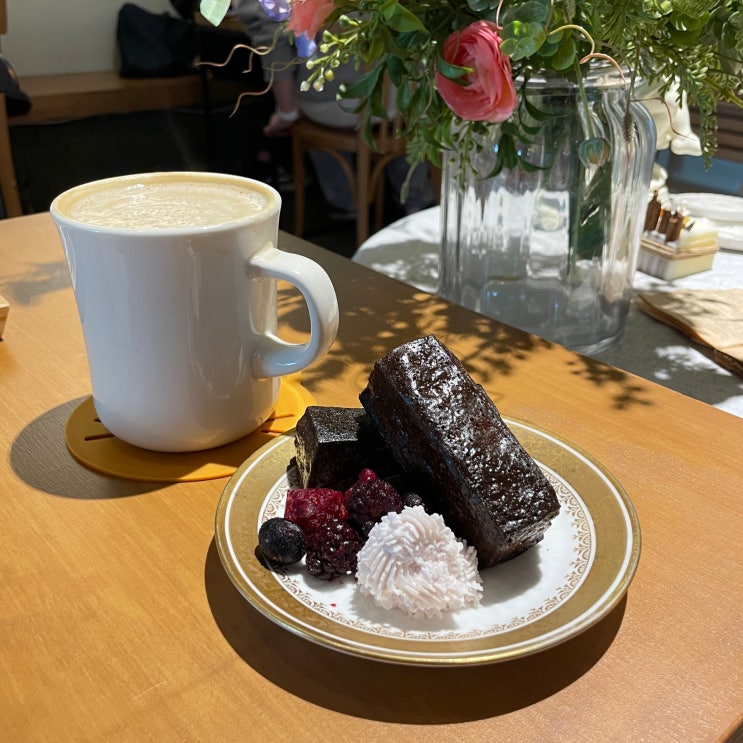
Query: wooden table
(120, 624)
(408, 250)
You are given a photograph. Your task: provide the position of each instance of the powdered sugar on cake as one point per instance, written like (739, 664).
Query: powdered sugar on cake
(412, 561)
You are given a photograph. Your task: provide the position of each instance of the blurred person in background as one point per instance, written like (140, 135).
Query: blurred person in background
(284, 69)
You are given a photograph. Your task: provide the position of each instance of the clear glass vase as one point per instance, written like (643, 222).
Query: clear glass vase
(552, 250)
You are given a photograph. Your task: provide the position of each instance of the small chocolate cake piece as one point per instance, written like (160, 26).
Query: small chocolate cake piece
(334, 444)
(444, 430)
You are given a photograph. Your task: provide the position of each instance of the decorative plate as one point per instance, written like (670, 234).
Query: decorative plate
(715, 206)
(550, 593)
(730, 236)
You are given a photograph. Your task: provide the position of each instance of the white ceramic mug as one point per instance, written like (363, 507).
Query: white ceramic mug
(175, 281)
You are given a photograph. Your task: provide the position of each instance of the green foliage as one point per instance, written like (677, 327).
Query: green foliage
(398, 18)
(214, 10)
(697, 42)
(522, 40)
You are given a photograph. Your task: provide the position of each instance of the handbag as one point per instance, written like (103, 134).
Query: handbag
(155, 44)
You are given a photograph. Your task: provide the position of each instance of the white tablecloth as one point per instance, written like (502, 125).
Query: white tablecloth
(408, 250)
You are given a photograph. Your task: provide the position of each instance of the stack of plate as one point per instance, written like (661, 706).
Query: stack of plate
(725, 211)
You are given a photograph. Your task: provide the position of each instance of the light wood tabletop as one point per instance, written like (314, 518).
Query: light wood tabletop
(119, 622)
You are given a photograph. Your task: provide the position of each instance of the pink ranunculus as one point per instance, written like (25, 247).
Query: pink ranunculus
(488, 92)
(308, 16)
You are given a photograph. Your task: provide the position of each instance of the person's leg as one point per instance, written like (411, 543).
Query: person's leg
(420, 189)
(334, 184)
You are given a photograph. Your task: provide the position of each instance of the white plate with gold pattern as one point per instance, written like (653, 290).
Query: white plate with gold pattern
(550, 593)
(730, 236)
(718, 207)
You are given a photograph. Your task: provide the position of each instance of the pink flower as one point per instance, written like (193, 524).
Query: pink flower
(488, 93)
(308, 16)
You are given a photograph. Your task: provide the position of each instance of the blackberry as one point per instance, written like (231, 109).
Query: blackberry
(281, 541)
(365, 528)
(332, 550)
(370, 498)
(409, 498)
(310, 507)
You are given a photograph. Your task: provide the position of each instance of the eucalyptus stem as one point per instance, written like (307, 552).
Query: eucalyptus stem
(584, 98)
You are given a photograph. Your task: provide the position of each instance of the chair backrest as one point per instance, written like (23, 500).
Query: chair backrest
(8, 184)
(385, 135)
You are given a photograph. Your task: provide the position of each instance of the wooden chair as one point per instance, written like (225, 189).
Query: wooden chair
(366, 183)
(8, 184)
(729, 130)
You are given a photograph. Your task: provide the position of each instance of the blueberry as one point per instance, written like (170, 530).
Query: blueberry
(281, 541)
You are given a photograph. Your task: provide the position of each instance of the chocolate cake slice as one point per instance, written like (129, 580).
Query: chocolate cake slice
(444, 430)
(334, 444)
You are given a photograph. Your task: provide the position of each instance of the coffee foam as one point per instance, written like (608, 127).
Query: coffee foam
(168, 204)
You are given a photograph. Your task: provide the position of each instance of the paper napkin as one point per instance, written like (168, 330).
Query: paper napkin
(711, 317)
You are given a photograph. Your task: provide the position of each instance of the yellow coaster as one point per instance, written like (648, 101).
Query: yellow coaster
(95, 447)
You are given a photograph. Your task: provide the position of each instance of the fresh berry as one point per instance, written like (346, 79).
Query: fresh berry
(332, 550)
(311, 507)
(365, 528)
(412, 499)
(370, 498)
(281, 542)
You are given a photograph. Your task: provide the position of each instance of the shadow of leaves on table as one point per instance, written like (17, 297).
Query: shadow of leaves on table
(41, 279)
(675, 361)
(625, 390)
(394, 693)
(497, 351)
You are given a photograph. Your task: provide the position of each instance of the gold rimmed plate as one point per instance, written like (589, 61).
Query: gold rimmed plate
(547, 595)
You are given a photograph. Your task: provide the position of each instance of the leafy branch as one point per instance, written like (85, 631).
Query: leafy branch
(695, 43)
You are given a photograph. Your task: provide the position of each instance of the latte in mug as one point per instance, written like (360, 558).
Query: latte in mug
(167, 201)
(175, 280)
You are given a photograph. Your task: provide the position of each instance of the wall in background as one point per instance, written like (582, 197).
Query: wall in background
(55, 36)
(687, 173)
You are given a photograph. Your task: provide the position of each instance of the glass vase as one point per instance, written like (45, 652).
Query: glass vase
(552, 249)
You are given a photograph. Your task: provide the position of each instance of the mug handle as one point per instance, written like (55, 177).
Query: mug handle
(276, 357)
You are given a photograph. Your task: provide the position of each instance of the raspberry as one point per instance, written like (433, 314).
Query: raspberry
(332, 550)
(310, 507)
(369, 499)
